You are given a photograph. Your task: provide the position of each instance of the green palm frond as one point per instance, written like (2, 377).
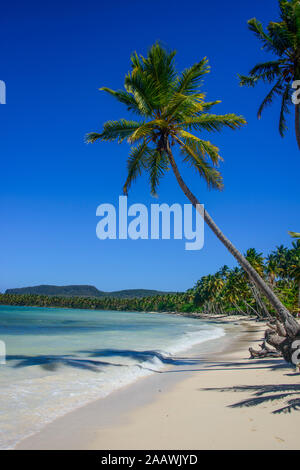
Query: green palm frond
(124, 97)
(275, 91)
(266, 72)
(294, 234)
(193, 154)
(135, 62)
(272, 66)
(191, 78)
(209, 104)
(282, 38)
(146, 129)
(204, 147)
(181, 105)
(143, 91)
(157, 165)
(286, 98)
(135, 164)
(114, 130)
(152, 79)
(290, 14)
(159, 64)
(246, 80)
(211, 151)
(257, 28)
(92, 137)
(213, 122)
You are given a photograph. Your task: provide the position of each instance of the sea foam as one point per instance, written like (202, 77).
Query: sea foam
(61, 359)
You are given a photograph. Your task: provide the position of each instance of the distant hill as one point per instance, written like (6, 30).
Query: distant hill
(83, 291)
(62, 291)
(129, 293)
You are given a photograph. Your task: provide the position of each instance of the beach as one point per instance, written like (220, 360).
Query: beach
(150, 288)
(191, 404)
(59, 360)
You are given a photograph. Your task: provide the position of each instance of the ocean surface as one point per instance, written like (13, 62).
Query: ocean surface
(60, 359)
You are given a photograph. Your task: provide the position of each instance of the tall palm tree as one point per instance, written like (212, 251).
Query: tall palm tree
(256, 260)
(271, 268)
(170, 106)
(213, 285)
(224, 272)
(281, 256)
(294, 266)
(282, 39)
(235, 289)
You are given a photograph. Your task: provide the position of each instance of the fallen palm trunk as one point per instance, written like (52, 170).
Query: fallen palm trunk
(264, 352)
(282, 337)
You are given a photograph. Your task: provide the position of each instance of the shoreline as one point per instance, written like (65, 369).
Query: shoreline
(120, 420)
(196, 314)
(78, 389)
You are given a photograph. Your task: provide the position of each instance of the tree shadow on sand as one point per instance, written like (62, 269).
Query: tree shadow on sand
(270, 364)
(266, 393)
(93, 360)
(53, 362)
(142, 356)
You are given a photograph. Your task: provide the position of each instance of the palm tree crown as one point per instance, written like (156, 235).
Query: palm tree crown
(282, 38)
(170, 106)
(256, 260)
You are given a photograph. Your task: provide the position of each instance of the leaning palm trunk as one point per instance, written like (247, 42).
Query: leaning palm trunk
(238, 308)
(260, 301)
(281, 338)
(170, 106)
(258, 315)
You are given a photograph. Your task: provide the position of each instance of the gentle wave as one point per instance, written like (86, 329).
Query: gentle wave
(38, 388)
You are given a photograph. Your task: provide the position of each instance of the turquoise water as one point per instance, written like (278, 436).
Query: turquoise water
(60, 359)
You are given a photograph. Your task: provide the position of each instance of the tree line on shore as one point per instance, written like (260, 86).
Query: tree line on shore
(228, 291)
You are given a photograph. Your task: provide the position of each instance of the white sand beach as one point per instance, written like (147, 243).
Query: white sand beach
(189, 405)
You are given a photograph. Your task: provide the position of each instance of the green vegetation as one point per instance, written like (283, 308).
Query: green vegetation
(282, 39)
(81, 291)
(65, 291)
(294, 234)
(228, 291)
(167, 302)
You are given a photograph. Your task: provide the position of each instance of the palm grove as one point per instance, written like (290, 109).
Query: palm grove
(228, 291)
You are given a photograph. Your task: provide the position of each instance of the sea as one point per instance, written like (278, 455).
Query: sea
(60, 359)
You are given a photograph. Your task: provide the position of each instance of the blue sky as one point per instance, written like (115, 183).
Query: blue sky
(54, 57)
